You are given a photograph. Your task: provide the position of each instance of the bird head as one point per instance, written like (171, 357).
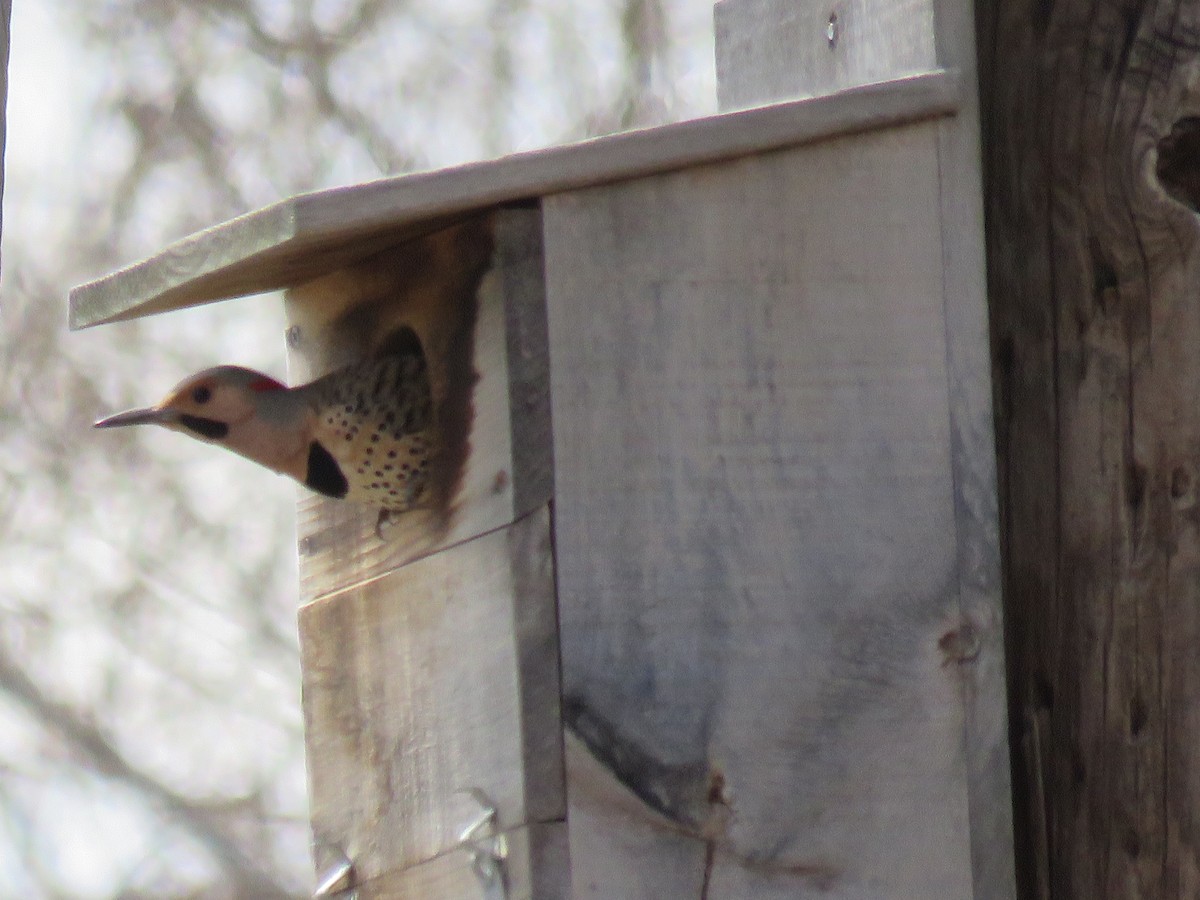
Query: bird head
(245, 411)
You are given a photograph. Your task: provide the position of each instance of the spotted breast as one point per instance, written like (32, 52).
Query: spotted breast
(375, 420)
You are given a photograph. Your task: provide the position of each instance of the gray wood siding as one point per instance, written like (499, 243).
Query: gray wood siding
(424, 685)
(430, 652)
(755, 519)
(773, 50)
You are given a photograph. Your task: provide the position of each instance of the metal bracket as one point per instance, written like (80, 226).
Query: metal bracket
(487, 847)
(337, 881)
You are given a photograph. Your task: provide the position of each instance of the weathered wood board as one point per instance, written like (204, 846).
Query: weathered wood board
(768, 50)
(533, 853)
(473, 294)
(436, 680)
(1093, 195)
(667, 860)
(305, 237)
(794, 58)
(973, 445)
(758, 564)
(429, 650)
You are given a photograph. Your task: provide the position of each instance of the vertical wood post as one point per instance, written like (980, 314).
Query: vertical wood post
(1091, 143)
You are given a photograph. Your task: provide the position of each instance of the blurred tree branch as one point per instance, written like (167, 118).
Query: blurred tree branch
(248, 878)
(149, 591)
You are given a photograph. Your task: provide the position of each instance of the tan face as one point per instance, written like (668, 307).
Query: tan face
(203, 406)
(226, 406)
(206, 407)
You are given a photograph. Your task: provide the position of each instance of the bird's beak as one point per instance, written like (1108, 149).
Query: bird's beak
(150, 416)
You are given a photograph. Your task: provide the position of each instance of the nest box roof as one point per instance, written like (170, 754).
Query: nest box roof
(300, 238)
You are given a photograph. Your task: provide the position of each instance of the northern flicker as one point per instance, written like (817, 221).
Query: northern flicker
(365, 433)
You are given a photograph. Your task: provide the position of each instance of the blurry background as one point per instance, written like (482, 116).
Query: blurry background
(150, 730)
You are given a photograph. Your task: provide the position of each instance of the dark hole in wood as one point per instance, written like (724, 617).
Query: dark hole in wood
(1132, 844)
(1004, 357)
(1006, 354)
(1078, 768)
(1132, 20)
(1043, 692)
(1104, 275)
(1181, 482)
(716, 787)
(959, 645)
(1042, 11)
(1137, 716)
(1135, 485)
(1178, 166)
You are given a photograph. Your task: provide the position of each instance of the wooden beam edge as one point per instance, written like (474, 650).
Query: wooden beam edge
(229, 260)
(168, 278)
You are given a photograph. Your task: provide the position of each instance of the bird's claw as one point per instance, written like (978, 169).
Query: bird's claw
(385, 518)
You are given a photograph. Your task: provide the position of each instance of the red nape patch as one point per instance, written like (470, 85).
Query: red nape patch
(259, 385)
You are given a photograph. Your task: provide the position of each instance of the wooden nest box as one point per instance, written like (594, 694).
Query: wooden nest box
(716, 524)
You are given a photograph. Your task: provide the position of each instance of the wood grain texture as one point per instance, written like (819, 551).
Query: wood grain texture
(973, 448)
(440, 678)
(1089, 125)
(305, 237)
(667, 860)
(773, 50)
(758, 561)
(534, 852)
(473, 293)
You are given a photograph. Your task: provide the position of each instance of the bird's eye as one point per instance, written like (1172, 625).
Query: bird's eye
(202, 394)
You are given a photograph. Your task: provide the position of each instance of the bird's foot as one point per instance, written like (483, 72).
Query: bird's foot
(389, 519)
(383, 524)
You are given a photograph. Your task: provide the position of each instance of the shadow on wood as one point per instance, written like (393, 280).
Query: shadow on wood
(459, 289)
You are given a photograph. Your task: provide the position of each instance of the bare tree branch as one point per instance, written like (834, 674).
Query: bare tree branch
(249, 878)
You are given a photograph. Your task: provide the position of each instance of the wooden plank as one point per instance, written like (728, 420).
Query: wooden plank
(431, 682)
(756, 539)
(773, 50)
(473, 293)
(301, 238)
(1092, 174)
(973, 442)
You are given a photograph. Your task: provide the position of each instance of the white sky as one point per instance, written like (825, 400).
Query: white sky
(45, 82)
(51, 81)
(46, 87)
